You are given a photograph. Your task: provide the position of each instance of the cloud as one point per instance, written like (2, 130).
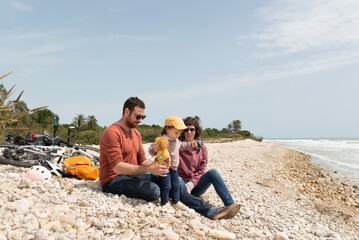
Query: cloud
(232, 83)
(35, 48)
(307, 26)
(20, 6)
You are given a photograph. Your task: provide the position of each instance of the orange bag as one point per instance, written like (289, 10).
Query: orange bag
(80, 167)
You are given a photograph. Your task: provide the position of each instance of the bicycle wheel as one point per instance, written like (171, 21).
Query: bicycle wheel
(91, 152)
(17, 163)
(16, 155)
(7, 145)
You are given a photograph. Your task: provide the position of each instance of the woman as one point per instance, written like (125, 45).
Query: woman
(192, 167)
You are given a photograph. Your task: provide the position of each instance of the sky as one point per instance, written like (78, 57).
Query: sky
(284, 68)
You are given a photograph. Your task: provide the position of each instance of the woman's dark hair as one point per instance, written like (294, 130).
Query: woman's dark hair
(192, 121)
(131, 103)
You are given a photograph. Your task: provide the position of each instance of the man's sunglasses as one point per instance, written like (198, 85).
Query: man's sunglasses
(138, 117)
(189, 129)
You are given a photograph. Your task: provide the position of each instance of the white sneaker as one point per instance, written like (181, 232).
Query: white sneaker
(167, 207)
(179, 206)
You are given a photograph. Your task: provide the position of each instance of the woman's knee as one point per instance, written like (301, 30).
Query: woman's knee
(213, 172)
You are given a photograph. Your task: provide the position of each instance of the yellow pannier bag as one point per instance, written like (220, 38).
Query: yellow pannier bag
(80, 167)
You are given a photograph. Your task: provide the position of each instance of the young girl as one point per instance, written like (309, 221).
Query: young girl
(172, 130)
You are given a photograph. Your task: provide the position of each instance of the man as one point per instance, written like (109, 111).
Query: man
(123, 164)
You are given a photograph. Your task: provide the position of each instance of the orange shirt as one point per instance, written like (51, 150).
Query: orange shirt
(117, 145)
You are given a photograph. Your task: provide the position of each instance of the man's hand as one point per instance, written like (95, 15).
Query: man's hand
(158, 170)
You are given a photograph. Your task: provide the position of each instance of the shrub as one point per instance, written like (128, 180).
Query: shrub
(9, 111)
(212, 132)
(245, 133)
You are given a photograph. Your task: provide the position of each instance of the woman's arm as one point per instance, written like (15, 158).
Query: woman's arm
(202, 166)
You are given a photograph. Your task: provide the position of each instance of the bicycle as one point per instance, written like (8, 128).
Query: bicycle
(27, 152)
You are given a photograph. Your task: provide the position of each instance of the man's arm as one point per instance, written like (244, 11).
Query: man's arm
(146, 166)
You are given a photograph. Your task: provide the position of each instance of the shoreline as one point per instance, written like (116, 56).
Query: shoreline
(281, 192)
(326, 156)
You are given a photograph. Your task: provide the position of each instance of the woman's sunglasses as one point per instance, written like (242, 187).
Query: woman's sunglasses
(138, 117)
(189, 129)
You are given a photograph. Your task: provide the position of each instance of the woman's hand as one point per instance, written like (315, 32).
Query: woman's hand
(188, 189)
(194, 144)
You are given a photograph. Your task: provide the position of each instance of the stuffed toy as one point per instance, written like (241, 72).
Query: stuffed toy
(162, 154)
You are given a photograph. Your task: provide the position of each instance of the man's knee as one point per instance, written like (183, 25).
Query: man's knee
(152, 193)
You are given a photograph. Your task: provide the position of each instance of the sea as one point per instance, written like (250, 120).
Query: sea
(340, 156)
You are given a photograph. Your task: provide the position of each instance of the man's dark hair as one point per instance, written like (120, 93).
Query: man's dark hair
(192, 121)
(131, 103)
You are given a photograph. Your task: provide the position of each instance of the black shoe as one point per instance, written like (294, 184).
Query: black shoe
(225, 212)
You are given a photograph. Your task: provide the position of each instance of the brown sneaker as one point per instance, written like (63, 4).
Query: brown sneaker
(225, 212)
(234, 209)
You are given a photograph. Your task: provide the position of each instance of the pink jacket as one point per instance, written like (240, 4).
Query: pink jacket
(174, 148)
(193, 164)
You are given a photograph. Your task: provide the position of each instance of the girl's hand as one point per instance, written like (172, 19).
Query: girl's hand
(155, 149)
(194, 144)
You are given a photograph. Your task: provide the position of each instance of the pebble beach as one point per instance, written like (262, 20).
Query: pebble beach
(282, 196)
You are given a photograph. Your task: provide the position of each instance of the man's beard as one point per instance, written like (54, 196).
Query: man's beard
(130, 124)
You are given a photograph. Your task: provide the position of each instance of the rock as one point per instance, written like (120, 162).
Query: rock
(199, 233)
(22, 205)
(280, 236)
(127, 235)
(42, 235)
(322, 231)
(170, 234)
(68, 219)
(95, 185)
(13, 176)
(84, 203)
(219, 234)
(40, 210)
(195, 224)
(24, 182)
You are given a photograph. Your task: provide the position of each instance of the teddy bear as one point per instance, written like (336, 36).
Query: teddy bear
(162, 154)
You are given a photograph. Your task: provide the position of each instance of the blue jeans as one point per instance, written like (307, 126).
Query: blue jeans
(146, 186)
(212, 176)
(170, 183)
(192, 201)
(134, 186)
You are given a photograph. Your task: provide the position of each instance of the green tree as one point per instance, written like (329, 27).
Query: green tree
(44, 117)
(79, 121)
(20, 107)
(237, 125)
(91, 122)
(230, 127)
